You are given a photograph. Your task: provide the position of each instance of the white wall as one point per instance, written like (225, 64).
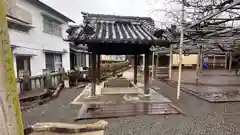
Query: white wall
(37, 40)
(187, 60)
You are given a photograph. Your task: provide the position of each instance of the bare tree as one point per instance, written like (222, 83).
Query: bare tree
(195, 10)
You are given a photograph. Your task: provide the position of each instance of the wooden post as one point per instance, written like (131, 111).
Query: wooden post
(198, 66)
(146, 73)
(214, 60)
(135, 69)
(10, 114)
(98, 67)
(230, 61)
(170, 63)
(153, 67)
(225, 62)
(143, 58)
(93, 75)
(157, 61)
(201, 60)
(156, 66)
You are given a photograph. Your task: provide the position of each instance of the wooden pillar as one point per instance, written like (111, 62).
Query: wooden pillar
(214, 60)
(198, 65)
(135, 69)
(156, 66)
(146, 73)
(98, 67)
(153, 66)
(170, 63)
(225, 62)
(143, 58)
(157, 61)
(93, 75)
(230, 61)
(201, 60)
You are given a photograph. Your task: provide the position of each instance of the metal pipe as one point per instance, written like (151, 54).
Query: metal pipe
(180, 51)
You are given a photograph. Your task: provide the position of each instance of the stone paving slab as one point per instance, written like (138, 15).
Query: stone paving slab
(83, 98)
(211, 94)
(120, 90)
(208, 77)
(213, 86)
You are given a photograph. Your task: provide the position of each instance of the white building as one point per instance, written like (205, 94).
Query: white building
(36, 35)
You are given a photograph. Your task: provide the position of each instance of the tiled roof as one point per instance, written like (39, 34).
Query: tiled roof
(116, 29)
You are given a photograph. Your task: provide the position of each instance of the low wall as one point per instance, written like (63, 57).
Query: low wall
(39, 82)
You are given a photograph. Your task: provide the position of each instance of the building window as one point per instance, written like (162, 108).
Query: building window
(18, 27)
(53, 61)
(23, 64)
(51, 26)
(81, 59)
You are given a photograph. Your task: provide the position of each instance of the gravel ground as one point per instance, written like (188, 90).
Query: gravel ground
(202, 118)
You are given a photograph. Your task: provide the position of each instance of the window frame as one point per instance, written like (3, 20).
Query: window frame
(11, 24)
(55, 63)
(55, 26)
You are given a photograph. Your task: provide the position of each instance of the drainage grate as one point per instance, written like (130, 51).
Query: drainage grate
(129, 109)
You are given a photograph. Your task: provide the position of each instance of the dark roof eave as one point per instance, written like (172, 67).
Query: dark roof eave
(90, 15)
(43, 5)
(142, 42)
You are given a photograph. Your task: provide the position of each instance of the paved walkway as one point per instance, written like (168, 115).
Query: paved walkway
(57, 110)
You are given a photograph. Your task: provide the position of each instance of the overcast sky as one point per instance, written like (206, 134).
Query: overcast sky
(73, 8)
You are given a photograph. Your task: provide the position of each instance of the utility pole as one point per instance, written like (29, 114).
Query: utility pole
(180, 49)
(10, 114)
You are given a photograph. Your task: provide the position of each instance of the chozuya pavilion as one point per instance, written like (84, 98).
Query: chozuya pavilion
(117, 35)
